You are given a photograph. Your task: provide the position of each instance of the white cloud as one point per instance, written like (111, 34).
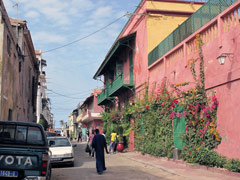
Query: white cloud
(102, 12)
(32, 14)
(46, 37)
(56, 15)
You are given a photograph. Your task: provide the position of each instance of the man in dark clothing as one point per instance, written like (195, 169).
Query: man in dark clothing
(99, 143)
(80, 136)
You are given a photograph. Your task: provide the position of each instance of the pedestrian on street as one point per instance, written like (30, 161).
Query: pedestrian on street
(99, 143)
(80, 136)
(91, 136)
(112, 142)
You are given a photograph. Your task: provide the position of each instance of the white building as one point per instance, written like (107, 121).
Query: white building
(43, 102)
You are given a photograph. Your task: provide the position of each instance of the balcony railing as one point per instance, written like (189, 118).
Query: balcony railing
(201, 17)
(103, 96)
(123, 80)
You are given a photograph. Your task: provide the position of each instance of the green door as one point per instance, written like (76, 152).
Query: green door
(179, 128)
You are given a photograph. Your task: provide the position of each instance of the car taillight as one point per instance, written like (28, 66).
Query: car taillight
(44, 164)
(45, 158)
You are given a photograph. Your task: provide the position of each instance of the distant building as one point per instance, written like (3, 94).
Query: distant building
(43, 102)
(91, 112)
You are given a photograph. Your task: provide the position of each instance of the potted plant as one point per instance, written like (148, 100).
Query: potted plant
(120, 144)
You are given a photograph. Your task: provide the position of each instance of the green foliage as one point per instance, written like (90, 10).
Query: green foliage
(117, 121)
(44, 123)
(233, 165)
(153, 127)
(127, 132)
(206, 157)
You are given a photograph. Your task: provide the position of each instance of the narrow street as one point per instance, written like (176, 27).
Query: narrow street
(134, 166)
(118, 167)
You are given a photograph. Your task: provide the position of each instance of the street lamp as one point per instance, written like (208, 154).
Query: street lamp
(221, 59)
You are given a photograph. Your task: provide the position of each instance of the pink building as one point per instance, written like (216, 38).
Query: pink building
(221, 40)
(136, 58)
(125, 67)
(91, 111)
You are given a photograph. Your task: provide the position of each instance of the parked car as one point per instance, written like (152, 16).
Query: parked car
(50, 133)
(62, 150)
(24, 151)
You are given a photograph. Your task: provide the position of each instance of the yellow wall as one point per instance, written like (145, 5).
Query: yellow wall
(160, 26)
(173, 6)
(79, 118)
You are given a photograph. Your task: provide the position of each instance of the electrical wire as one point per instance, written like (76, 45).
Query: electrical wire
(86, 35)
(63, 94)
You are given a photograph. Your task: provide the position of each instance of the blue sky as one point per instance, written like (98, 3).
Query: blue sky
(54, 23)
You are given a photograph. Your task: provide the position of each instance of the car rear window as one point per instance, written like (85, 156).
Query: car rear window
(49, 134)
(21, 135)
(59, 142)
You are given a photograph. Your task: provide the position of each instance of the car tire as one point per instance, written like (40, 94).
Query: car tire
(72, 164)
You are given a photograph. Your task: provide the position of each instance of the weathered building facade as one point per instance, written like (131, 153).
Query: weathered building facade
(18, 70)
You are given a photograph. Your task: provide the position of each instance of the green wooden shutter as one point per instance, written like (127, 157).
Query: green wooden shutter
(179, 128)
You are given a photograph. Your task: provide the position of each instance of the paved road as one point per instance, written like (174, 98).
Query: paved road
(118, 168)
(133, 166)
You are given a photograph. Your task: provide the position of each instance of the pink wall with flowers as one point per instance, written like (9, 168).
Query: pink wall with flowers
(221, 35)
(139, 24)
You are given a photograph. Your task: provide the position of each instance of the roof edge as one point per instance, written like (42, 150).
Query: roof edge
(111, 52)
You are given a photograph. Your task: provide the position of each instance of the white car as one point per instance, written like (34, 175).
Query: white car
(62, 150)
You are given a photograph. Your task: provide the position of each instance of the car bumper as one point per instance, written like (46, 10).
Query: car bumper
(35, 178)
(63, 161)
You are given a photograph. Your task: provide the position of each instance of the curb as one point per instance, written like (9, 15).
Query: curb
(190, 165)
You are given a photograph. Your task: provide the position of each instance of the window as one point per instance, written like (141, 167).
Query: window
(7, 132)
(8, 45)
(20, 134)
(34, 136)
(9, 114)
(59, 142)
(19, 66)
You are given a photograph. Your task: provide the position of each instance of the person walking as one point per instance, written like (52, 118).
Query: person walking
(112, 142)
(80, 136)
(91, 136)
(99, 143)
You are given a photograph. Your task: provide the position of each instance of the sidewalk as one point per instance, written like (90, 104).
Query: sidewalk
(180, 168)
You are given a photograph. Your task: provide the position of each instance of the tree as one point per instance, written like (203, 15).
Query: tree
(43, 122)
